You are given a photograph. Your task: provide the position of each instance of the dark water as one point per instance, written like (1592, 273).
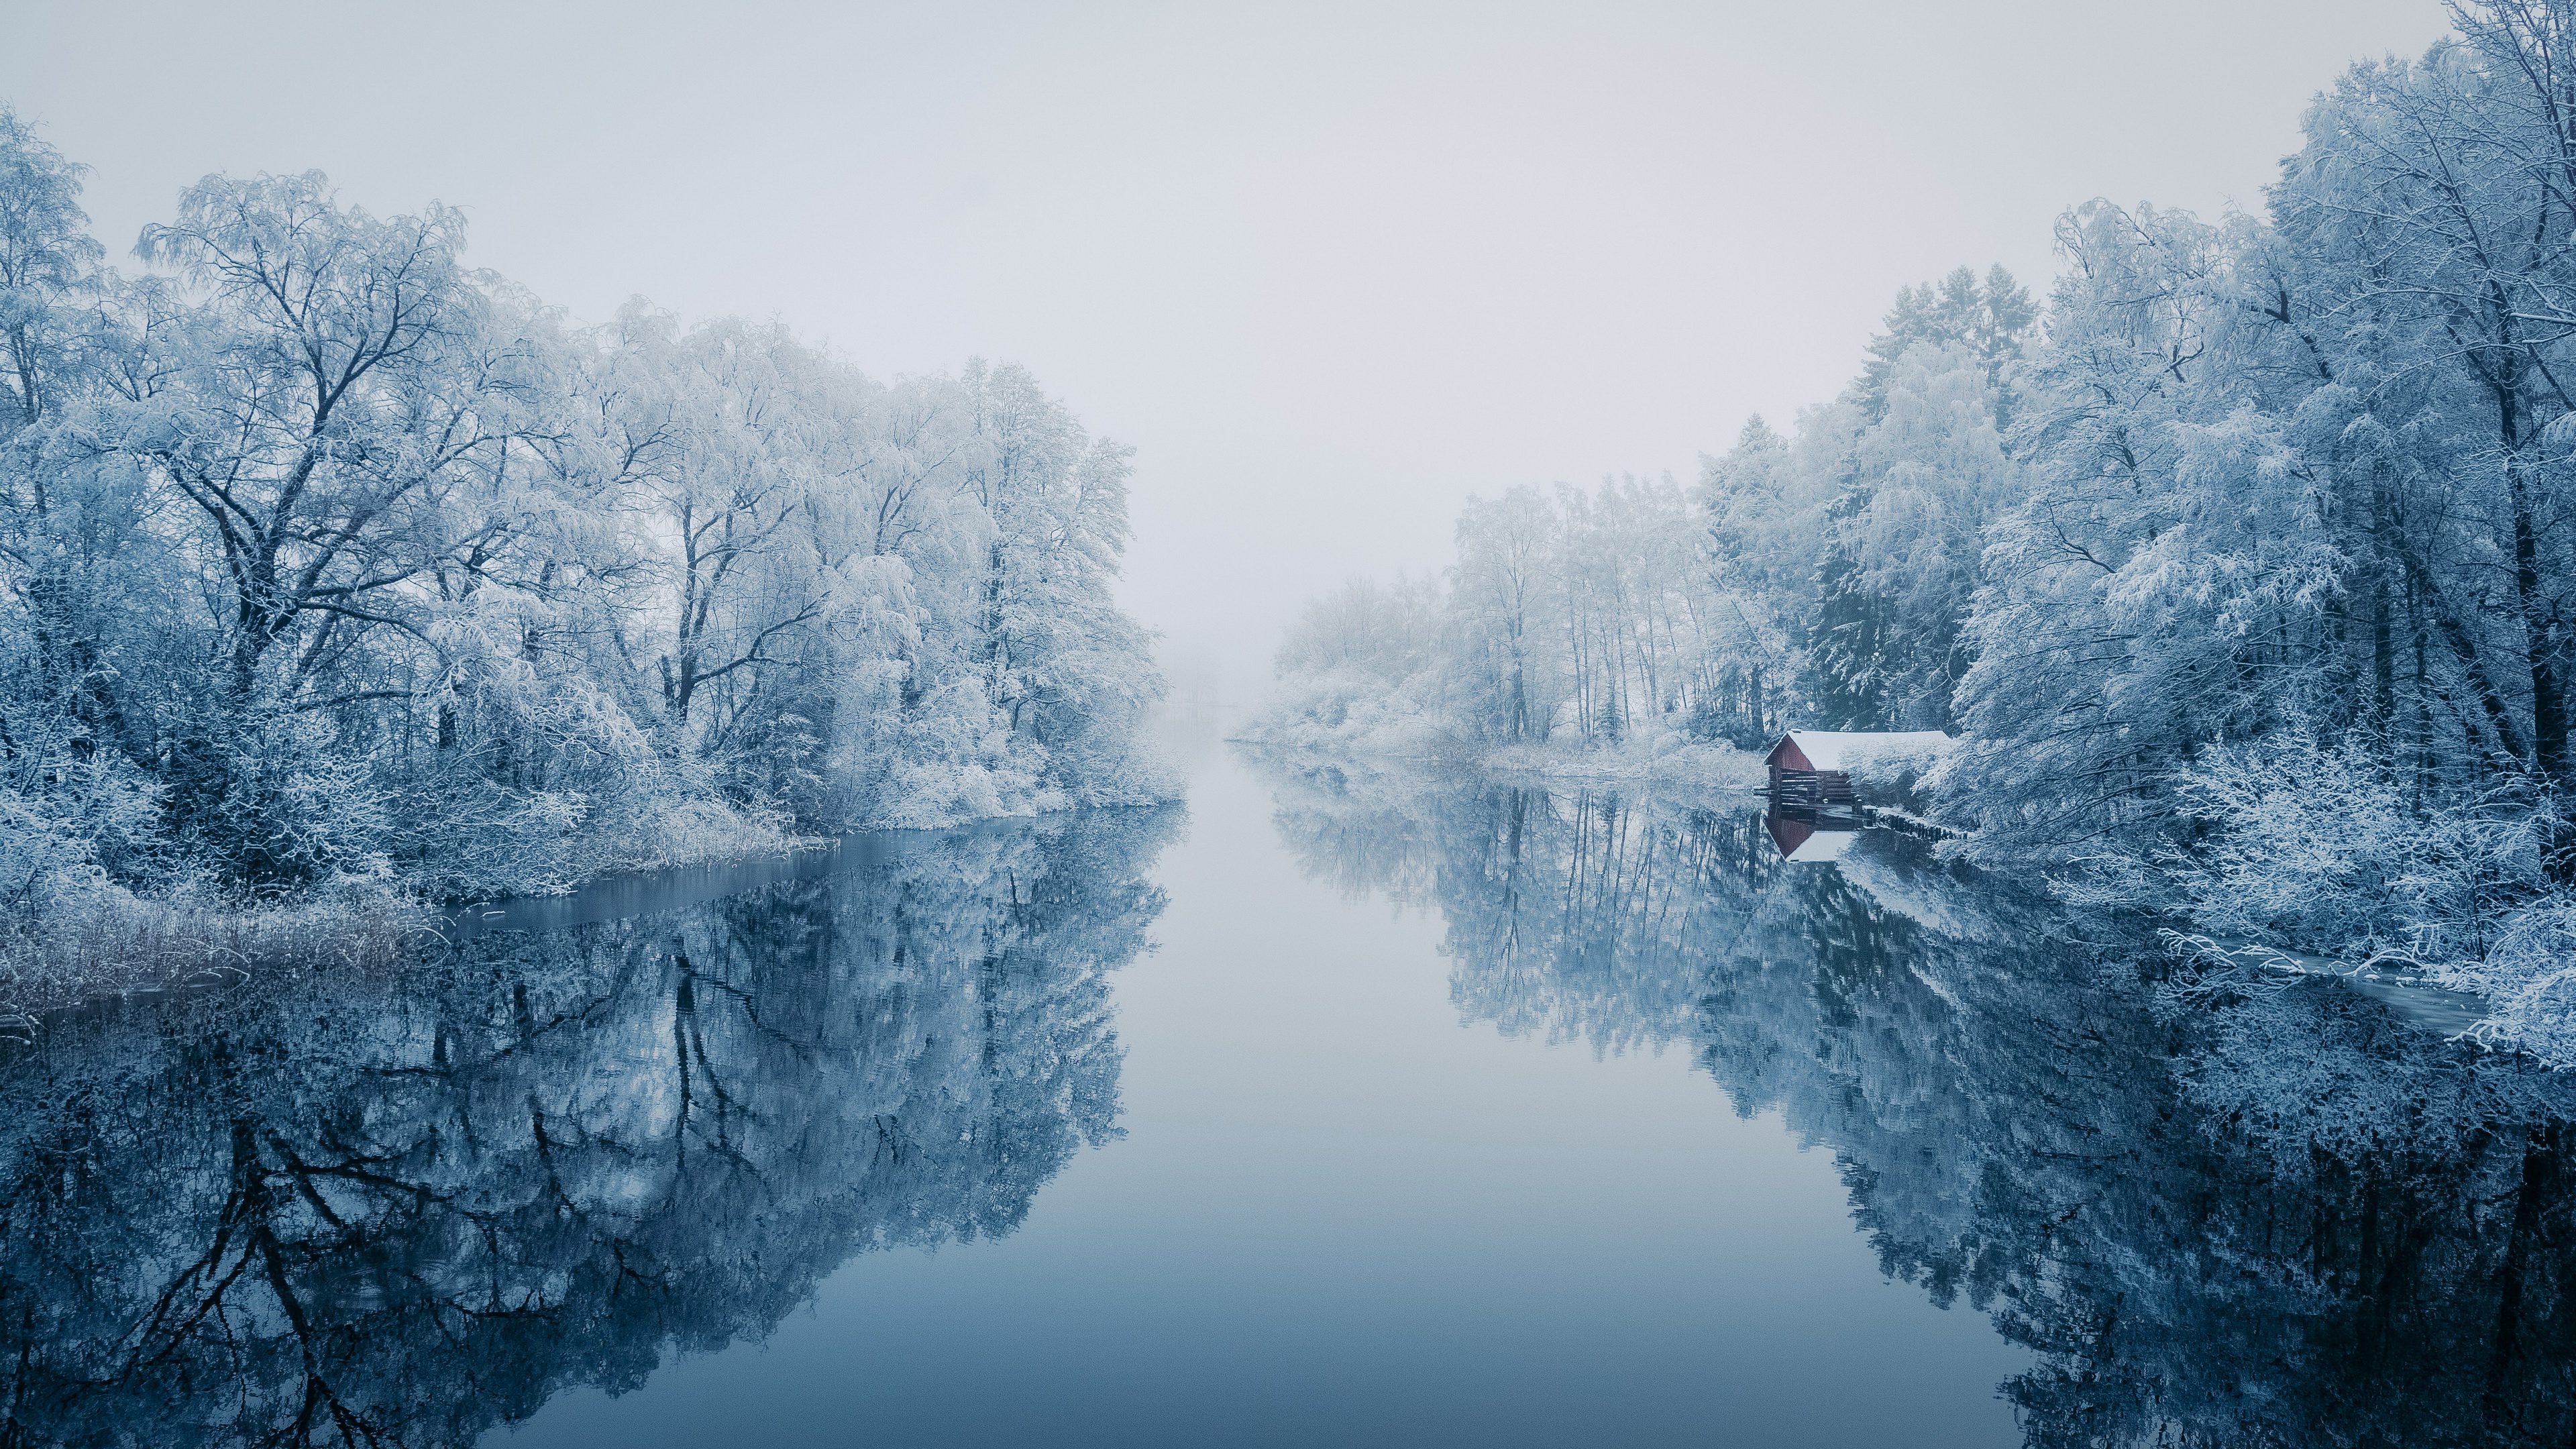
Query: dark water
(1338, 1111)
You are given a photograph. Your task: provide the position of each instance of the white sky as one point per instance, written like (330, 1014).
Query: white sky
(1331, 268)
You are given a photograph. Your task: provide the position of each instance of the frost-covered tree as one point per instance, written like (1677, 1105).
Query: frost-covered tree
(1585, 617)
(1505, 656)
(47, 260)
(327, 556)
(1919, 467)
(1819, 578)
(2279, 497)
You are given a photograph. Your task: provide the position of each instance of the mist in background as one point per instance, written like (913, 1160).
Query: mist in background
(1331, 269)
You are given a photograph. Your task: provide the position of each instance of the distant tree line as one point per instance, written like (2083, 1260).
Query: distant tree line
(325, 558)
(2242, 567)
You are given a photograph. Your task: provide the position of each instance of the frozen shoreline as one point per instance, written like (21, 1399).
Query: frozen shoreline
(1693, 766)
(120, 944)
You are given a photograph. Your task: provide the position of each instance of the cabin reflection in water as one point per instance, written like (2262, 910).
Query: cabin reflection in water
(1811, 835)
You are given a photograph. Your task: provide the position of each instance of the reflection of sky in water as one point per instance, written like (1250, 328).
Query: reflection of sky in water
(1341, 1217)
(1444, 1113)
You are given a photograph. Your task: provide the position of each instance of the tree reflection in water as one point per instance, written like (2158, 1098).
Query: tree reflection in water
(337, 1211)
(2288, 1222)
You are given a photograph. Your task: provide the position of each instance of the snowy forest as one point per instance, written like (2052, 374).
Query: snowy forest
(2236, 560)
(334, 571)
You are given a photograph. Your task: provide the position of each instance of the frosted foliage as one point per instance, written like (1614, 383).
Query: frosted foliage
(1585, 620)
(2242, 570)
(324, 558)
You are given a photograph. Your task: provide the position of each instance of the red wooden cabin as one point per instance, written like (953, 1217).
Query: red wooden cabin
(1811, 769)
(1800, 780)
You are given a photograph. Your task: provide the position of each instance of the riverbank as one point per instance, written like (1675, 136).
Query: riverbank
(1404, 740)
(95, 939)
(111, 942)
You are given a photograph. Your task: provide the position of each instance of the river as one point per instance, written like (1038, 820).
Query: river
(1337, 1108)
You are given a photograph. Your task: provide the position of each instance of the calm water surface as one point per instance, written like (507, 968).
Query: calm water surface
(1337, 1110)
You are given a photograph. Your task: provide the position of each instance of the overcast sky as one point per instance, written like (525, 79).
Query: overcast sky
(1329, 268)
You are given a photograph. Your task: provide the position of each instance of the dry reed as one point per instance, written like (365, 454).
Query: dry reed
(115, 943)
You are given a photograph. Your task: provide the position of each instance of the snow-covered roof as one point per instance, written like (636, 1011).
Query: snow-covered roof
(1843, 749)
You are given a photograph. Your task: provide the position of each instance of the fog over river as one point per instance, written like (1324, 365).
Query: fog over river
(1332, 1109)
